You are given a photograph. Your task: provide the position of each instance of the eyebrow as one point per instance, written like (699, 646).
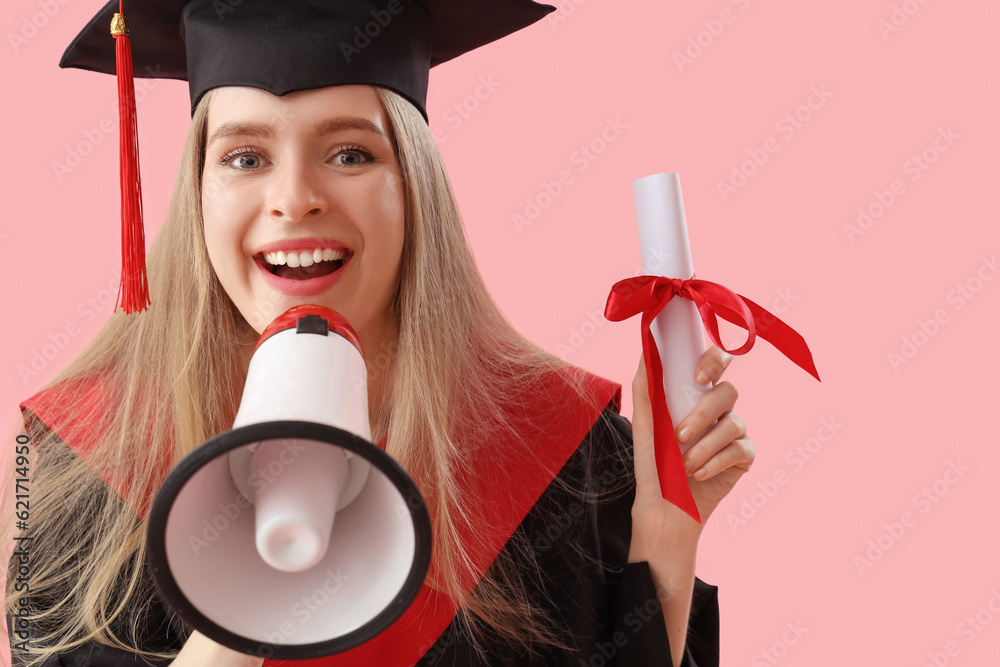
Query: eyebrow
(349, 123)
(329, 126)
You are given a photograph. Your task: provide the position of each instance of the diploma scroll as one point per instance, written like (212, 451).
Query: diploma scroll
(678, 329)
(672, 301)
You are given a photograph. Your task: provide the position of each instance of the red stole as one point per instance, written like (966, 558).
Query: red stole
(554, 418)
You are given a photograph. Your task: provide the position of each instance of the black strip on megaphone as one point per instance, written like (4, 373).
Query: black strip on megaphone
(321, 433)
(313, 324)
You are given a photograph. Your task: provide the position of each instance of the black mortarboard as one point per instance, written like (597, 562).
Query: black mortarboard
(285, 45)
(280, 46)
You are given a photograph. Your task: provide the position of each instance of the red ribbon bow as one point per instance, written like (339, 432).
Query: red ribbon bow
(648, 295)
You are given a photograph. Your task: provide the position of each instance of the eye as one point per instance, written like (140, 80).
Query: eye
(244, 159)
(352, 156)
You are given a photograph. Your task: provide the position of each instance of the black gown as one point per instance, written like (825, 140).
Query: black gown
(578, 545)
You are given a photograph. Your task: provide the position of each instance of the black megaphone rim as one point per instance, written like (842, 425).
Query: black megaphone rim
(239, 437)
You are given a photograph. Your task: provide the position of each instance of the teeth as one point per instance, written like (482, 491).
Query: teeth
(294, 258)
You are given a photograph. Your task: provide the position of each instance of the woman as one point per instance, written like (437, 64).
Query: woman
(351, 172)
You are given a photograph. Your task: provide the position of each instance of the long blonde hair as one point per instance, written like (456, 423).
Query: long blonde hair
(172, 376)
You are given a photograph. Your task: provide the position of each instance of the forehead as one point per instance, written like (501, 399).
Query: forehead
(300, 109)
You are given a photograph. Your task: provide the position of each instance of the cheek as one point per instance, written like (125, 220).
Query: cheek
(391, 203)
(222, 211)
(214, 233)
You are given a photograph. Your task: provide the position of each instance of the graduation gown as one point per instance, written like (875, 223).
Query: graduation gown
(574, 561)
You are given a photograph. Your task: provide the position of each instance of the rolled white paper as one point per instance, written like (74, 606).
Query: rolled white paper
(678, 329)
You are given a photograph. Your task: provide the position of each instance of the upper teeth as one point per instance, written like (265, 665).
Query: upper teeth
(294, 258)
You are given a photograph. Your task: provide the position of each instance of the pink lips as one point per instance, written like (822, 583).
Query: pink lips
(309, 287)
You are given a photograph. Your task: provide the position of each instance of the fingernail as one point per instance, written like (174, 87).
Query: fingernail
(701, 377)
(687, 467)
(700, 473)
(684, 435)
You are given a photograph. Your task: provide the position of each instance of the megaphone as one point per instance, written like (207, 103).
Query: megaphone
(292, 536)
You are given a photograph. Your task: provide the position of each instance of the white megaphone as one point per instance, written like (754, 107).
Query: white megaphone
(291, 536)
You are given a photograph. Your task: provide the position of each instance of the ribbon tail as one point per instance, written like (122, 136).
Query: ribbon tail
(769, 327)
(669, 464)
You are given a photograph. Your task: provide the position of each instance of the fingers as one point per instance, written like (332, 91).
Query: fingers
(713, 404)
(640, 388)
(723, 445)
(642, 412)
(731, 427)
(739, 453)
(647, 482)
(711, 365)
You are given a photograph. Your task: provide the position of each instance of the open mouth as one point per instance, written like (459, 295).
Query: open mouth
(304, 264)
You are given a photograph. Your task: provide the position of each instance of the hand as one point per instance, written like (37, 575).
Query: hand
(200, 651)
(725, 452)
(718, 460)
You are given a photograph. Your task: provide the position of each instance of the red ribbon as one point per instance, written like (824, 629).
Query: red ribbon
(648, 295)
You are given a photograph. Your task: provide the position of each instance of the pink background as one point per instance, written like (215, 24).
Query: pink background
(781, 239)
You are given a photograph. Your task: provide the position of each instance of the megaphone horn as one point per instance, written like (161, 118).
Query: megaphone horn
(292, 536)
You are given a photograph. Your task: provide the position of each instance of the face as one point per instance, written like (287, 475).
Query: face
(303, 204)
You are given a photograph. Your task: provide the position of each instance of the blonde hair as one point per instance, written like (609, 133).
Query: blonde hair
(172, 376)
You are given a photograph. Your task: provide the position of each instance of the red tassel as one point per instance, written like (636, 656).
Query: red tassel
(133, 291)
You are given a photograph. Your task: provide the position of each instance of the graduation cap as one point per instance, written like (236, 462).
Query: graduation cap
(280, 46)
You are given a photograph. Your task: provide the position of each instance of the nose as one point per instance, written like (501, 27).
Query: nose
(296, 193)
